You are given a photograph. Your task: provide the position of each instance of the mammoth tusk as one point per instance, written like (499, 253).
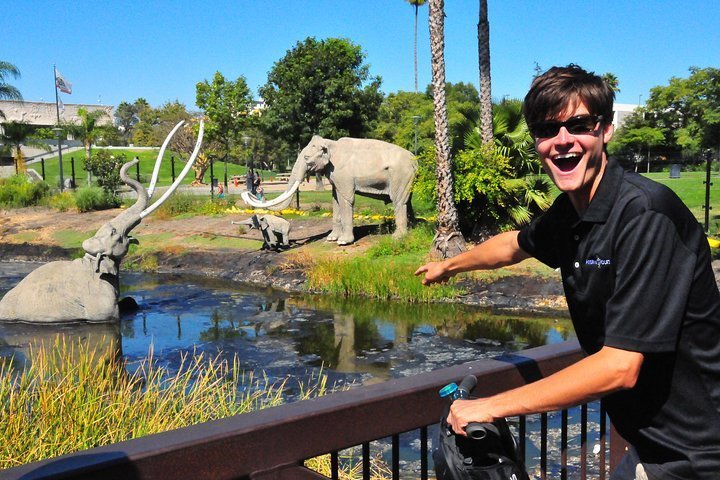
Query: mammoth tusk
(156, 170)
(251, 199)
(180, 178)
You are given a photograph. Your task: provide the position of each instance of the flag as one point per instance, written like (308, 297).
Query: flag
(61, 106)
(62, 84)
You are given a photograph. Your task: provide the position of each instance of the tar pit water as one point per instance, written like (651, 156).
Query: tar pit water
(283, 336)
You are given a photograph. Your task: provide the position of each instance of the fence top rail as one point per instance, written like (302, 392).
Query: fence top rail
(238, 446)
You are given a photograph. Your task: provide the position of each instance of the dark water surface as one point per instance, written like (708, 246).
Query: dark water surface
(354, 341)
(289, 336)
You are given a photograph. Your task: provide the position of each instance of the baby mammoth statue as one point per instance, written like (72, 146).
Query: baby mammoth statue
(274, 229)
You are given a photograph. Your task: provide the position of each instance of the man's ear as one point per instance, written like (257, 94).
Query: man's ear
(608, 132)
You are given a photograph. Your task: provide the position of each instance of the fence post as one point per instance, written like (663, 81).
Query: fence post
(72, 171)
(137, 169)
(42, 166)
(708, 184)
(172, 168)
(212, 179)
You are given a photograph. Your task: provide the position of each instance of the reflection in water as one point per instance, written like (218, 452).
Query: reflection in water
(17, 340)
(356, 341)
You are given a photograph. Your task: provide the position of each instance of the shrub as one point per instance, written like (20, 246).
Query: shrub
(18, 191)
(106, 168)
(62, 202)
(488, 195)
(177, 204)
(94, 198)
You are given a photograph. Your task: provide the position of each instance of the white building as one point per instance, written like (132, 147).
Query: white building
(621, 111)
(44, 114)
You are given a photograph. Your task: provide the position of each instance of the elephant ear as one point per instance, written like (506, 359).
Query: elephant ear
(323, 156)
(264, 223)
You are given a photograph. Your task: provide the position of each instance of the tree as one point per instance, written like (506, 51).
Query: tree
(156, 123)
(448, 241)
(7, 91)
(416, 4)
(88, 131)
(320, 87)
(485, 84)
(686, 112)
(612, 80)
(127, 116)
(16, 134)
(227, 105)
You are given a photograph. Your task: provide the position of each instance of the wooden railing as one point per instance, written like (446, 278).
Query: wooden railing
(274, 443)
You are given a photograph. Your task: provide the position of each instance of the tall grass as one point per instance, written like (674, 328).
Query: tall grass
(386, 272)
(73, 397)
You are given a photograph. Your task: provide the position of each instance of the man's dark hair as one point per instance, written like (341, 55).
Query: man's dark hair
(559, 87)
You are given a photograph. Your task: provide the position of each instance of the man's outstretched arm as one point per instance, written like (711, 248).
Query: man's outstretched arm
(499, 251)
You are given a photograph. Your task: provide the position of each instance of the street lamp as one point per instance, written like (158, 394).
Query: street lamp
(416, 119)
(59, 130)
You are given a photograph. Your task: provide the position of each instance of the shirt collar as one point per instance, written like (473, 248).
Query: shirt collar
(604, 198)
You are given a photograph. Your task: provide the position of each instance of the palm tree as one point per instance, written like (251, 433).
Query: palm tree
(88, 131)
(416, 4)
(15, 135)
(612, 80)
(486, 116)
(448, 240)
(7, 91)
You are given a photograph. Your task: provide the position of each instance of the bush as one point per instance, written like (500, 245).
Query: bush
(94, 198)
(18, 191)
(488, 195)
(177, 204)
(106, 168)
(62, 202)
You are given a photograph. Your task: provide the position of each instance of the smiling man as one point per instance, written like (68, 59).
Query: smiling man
(642, 295)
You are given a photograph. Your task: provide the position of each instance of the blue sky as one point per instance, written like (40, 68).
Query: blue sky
(113, 51)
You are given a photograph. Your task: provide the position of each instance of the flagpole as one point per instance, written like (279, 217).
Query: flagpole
(59, 130)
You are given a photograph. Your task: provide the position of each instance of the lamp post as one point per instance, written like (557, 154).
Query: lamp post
(416, 119)
(59, 130)
(246, 140)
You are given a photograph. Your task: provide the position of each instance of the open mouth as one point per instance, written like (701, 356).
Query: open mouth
(567, 162)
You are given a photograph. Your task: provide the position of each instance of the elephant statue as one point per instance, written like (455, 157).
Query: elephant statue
(273, 229)
(87, 289)
(370, 168)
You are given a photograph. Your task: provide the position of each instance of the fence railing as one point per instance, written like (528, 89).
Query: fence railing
(274, 443)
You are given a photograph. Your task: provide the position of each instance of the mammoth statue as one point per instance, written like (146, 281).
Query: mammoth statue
(371, 168)
(273, 229)
(87, 289)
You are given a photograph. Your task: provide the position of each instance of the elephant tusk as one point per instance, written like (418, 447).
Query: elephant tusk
(180, 178)
(156, 169)
(253, 201)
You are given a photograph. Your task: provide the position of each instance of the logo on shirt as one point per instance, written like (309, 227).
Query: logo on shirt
(598, 262)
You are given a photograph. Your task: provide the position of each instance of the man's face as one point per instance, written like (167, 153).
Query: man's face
(575, 162)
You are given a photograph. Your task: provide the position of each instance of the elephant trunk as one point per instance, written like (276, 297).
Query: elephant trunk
(130, 218)
(283, 201)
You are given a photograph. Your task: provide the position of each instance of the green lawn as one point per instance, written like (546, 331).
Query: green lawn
(690, 187)
(147, 163)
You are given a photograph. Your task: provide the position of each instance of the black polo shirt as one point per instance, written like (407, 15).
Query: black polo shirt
(637, 276)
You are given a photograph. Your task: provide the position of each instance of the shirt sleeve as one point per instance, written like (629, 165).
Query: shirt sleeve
(539, 238)
(653, 275)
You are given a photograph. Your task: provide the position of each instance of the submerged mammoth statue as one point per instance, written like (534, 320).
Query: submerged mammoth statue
(87, 289)
(371, 168)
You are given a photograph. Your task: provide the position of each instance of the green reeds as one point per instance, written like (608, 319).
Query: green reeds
(73, 397)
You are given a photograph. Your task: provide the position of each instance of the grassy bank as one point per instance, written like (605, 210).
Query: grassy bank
(73, 397)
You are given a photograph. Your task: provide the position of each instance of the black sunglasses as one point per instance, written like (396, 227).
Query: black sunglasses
(578, 125)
